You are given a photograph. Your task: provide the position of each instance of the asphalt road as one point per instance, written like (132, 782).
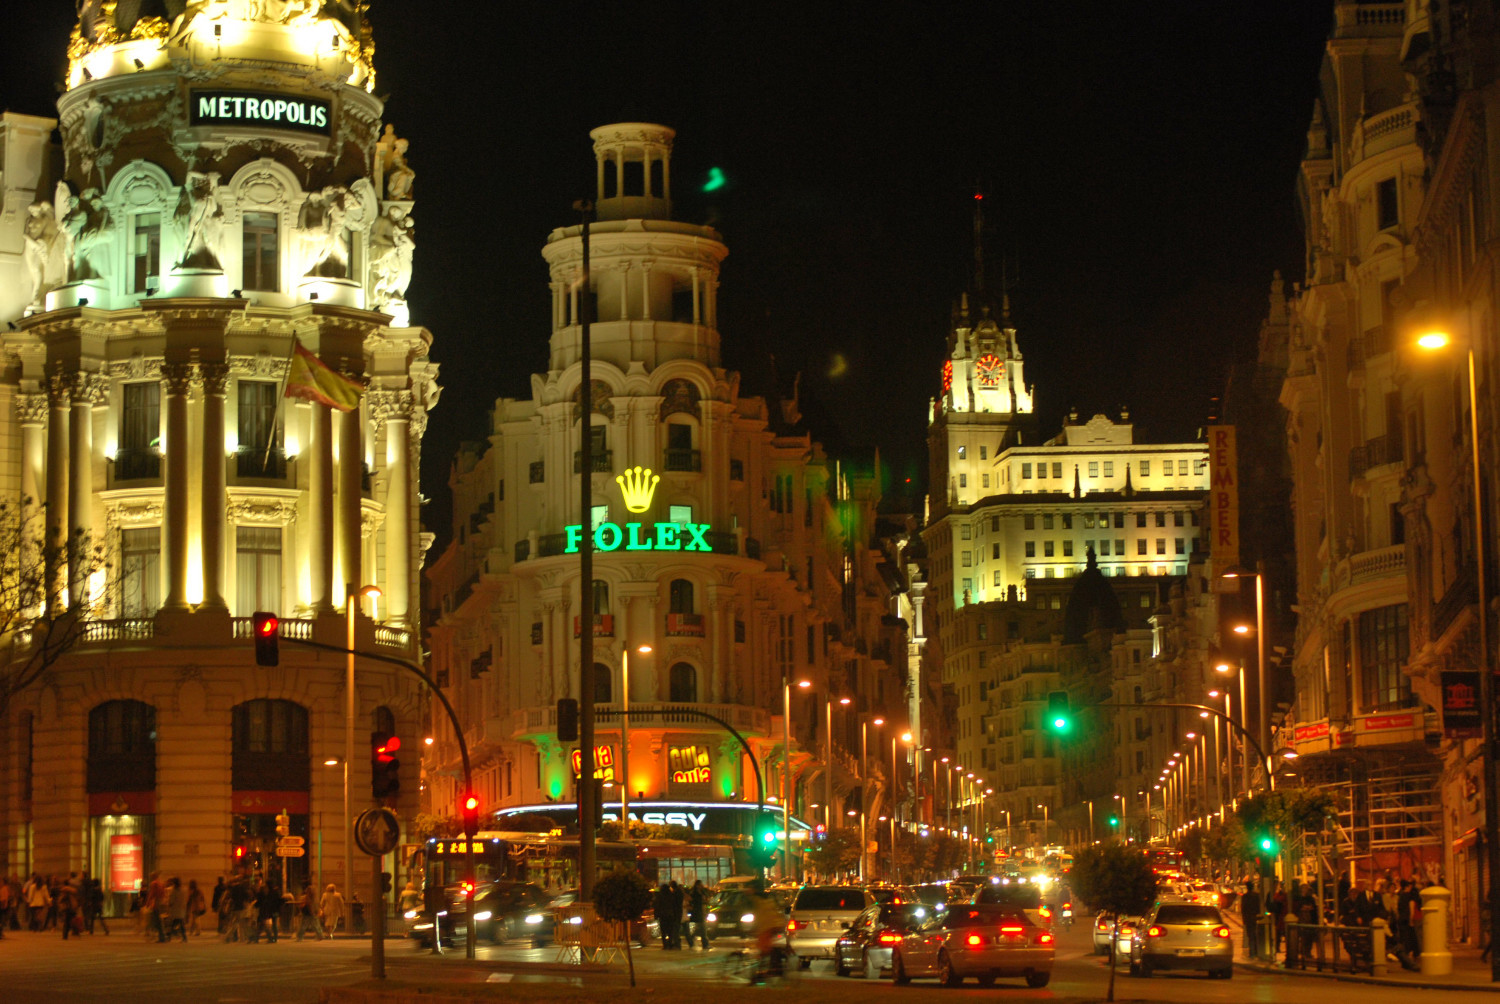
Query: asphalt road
(124, 968)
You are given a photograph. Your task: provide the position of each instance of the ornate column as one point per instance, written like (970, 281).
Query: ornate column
(393, 407)
(351, 469)
(174, 515)
(320, 508)
(88, 390)
(59, 396)
(214, 376)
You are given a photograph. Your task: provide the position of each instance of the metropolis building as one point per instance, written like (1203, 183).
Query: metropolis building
(726, 542)
(223, 192)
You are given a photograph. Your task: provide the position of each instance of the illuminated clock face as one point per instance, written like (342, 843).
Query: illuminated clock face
(947, 376)
(988, 368)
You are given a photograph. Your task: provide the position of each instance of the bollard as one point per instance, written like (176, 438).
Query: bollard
(1378, 931)
(1436, 959)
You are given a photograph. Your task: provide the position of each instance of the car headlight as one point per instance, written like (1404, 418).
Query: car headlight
(533, 918)
(409, 914)
(482, 915)
(575, 920)
(713, 918)
(422, 927)
(747, 918)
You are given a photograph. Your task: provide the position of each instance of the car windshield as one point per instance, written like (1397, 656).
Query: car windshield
(1175, 914)
(1026, 897)
(977, 916)
(905, 916)
(885, 894)
(932, 893)
(830, 898)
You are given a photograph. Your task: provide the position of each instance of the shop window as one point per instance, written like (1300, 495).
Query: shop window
(1383, 651)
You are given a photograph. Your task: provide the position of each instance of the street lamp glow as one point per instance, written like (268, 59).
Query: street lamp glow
(1242, 629)
(1223, 667)
(804, 684)
(1191, 736)
(906, 737)
(844, 700)
(1433, 340)
(943, 760)
(1214, 693)
(878, 721)
(644, 649)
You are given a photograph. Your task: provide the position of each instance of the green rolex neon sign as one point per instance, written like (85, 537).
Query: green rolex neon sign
(656, 537)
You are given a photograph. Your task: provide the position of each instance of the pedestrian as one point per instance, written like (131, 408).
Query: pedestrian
(196, 907)
(1408, 915)
(177, 909)
(216, 900)
(67, 907)
(331, 906)
(1278, 908)
(662, 904)
(307, 914)
(153, 906)
(6, 903)
(267, 910)
(38, 899)
(1250, 914)
(697, 911)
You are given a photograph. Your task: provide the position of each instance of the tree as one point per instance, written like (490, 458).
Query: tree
(622, 896)
(835, 853)
(1115, 878)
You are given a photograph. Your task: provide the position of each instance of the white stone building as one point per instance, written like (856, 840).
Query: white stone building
(225, 194)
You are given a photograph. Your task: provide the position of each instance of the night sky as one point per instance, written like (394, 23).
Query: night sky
(1139, 162)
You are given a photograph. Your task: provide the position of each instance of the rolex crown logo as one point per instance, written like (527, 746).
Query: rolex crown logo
(637, 486)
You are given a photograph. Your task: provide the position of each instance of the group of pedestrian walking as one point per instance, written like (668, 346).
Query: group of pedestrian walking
(1394, 901)
(72, 903)
(671, 904)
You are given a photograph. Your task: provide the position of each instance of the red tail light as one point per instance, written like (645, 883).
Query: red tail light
(1044, 938)
(1012, 929)
(1221, 932)
(792, 925)
(1067, 906)
(1046, 912)
(974, 940)
(887, 938)
(1103, 925)
(1156, 932)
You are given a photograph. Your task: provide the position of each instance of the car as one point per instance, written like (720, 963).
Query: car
(730, 914)
(503, 911)
(892, 894)
(980, 940)
(1017, 896)
(1124, 935)
(1104, 923)
(1203, 893)
(934, 894)
(820, 915)
(866, 947)
(1183, 936)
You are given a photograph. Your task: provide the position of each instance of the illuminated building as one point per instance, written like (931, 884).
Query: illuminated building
(217, 203)
(726, 541)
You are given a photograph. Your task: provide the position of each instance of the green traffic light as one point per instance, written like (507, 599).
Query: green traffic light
(716, 180)
(1114, 820)
(1061, 724)
(1268, 844)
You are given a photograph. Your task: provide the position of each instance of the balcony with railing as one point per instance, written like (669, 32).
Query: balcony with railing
(600, 461)
(683, 460)
(604, 626)
(258, 462)
(1375, 453)
(685, 625)
(542, 721)
(1367, 566)
(137, 464)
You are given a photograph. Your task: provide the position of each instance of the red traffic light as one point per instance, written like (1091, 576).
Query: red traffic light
(267, 625)
(471, 803)
(267, 638)
(393, 744)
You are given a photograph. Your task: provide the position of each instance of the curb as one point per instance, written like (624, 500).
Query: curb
(1379, 981)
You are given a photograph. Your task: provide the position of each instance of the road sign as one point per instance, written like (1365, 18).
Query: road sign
(376, 831)
(290, 841)
(290, 852)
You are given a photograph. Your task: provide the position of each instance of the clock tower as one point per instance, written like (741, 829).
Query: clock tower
(986, 405)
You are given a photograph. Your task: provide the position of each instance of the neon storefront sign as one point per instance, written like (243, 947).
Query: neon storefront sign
(637, 489)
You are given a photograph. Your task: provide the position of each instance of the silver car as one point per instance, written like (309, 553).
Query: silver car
(866, 947)
(1183, 936)
(978, 940)
(819, 917)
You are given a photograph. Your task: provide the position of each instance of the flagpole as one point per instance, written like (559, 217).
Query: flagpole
(286, 371)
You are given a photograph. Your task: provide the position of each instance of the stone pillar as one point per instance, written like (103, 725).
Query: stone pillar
(1436, 959)
(31, 413)
(87, 388)
(395, 408)
(351, 464)
(215, 376)
(320, 508)
(59, 396)
(174, 514)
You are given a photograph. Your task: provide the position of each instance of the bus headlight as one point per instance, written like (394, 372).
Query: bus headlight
(713, 918)
(533, 918)
(482, 915)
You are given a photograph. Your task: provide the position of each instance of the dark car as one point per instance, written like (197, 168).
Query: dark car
(503, 911)
(730, 914)
(866, 947)
(935, 894)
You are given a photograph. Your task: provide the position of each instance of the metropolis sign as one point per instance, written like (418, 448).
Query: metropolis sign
(255, 108)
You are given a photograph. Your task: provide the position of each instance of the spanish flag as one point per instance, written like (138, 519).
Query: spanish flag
(312, 380)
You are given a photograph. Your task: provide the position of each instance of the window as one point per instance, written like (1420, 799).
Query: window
(964, 531)
(680, 597)
(140, 571)
(1161, 519)
(604, 684)
(1027, 522)
(995, 551)
(968, 585)
(1145, 468)
(1383, 651)
(966, 559)
(1067, 548)
(1047, 549)
(680, 453)
(1140, 546)
(145, 253)
(1093, 468)
(1057, 470)
(1025, 471)
(1387, 205)
(963, 481)
(1182, 468)
(997, 586)
(122, 747)
(984, 481)
(1119, 547)
(678, 514)
(1103, 548)
(599, 515)
(260, 453)
(1161, 545)
(1088, 521)
(1177, 519)
(683, 683)
(1031, 549)
(1109, 468)
(994, 524)
(1140, 519)
(257, 569)
(1046, 522)
(1067, 521)
(261, 267)
(963, 453)
(601, 597)
(984, 453)
(1181, 546)
(139, 452)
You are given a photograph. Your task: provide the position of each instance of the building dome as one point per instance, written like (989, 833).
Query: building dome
(1091, 605)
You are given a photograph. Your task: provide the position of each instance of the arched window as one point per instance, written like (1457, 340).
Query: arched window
(681, 597)
(601, 597)
(603, 684)
(383, 720)
(122, 747)
(269, 744)
(683, 681)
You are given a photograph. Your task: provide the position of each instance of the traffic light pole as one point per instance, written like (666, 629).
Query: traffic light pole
(458, 734)
(588, 808)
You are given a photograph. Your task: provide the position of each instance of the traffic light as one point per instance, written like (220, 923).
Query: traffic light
(567, 720)
(1267, 844)
(1059, 714)
(385, 769)
(385, 883)
(267, 637)
(1114, 820)
(283, 825)
(468, 807)
(764, 849)
(593, 790)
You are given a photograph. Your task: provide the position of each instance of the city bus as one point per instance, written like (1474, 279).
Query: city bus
(551, 860)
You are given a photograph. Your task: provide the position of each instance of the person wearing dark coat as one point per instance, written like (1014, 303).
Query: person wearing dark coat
(697, 913)
(678, 896)
(267, 909)
(662, 904)
(1250, 914)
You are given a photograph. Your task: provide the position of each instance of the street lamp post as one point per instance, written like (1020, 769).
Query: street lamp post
(1263, 719)
(625, 735)
(864, 794)
(1046, 823)
(786, 772)
(1433, 340)
(351, 600)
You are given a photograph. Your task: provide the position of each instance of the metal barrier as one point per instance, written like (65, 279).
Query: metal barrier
(1333, 947)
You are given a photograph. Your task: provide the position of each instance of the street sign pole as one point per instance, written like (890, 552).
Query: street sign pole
(376, 832)
(377, 925)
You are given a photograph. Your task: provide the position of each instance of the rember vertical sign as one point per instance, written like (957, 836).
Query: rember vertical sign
(1224, 497)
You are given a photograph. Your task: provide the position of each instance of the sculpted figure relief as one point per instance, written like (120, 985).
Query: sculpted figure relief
(45, 263)
(398, 174)
(327, 219)
(391, 249)
(89, 229)
(200, 221)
